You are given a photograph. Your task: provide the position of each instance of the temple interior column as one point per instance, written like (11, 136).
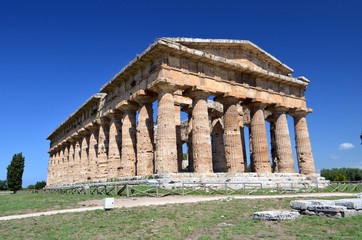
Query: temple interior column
(128, 157)
(218, 150)
(166, 146)
(284, 161)
(178, 137)
(232, 138)
(259, 140)
(114, 154)
(302, 142)
(201, 144)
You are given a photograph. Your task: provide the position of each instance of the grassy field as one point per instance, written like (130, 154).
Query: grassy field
(11, 204)
(208, 220)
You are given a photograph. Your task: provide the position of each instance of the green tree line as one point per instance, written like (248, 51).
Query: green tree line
(342, 174)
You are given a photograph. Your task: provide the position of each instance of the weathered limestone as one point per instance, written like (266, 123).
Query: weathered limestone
(128, 157)
(102, 141)
(276, 215)
(145, 134)
(102, 159)
(114, 154)
(302, 142)
(259, 141)
(166, 148)
(218, 152)
(284, 162)
(201, 145)
(232, 138)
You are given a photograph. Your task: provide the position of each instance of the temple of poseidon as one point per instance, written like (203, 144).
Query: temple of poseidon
(222, 86)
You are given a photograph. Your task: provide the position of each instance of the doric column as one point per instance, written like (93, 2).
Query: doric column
(114, 149)
(83, 164)
(145, 133)
(66, 161)
(232, 137)
(92, 152)
(102, 158)
(178, 137)
(259, 141)
(201, 144)
(284, 161)
(128, 157)
(76, 165)
(302, 142)
(189, 144)
(61, 164)
(50, 169)
(218, 150)
(166, 148)
(70, 169)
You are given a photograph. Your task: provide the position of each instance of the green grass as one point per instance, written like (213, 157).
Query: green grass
(208, 220)
(11, 204)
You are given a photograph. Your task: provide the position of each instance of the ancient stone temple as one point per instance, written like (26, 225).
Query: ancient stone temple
(133, 127)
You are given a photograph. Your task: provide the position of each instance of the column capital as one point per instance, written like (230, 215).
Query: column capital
(162, 85)
(230, 98)
(196, 92)
(127, 106)
(257, 103)
(300, 112)
(143, 96)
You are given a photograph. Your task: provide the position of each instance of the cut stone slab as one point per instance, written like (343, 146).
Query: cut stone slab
(351, 213)
(327, 208)
(304, 204)
(353, 203)
(359, 195)
(276, 215)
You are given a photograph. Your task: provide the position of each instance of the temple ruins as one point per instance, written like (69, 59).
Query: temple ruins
(133, 127)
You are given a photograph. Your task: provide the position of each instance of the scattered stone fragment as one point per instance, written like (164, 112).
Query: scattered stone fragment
(276, 215)
(353, 203)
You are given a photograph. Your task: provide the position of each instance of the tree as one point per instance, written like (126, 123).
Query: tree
(3, 185)
(15, 172)
(40, 185)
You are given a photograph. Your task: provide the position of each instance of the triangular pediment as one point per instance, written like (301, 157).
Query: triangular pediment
(240, 51)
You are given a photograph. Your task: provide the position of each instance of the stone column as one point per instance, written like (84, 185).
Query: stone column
(145, 136)
(114, 149)
(201, 144)
(83, 164)
(92, 152)
(102, 157)
(70, 169)
(50, 169)
(284, 161)
(166, 148)
(232, 137)
(76, 165)
(128, 157)
(189, 144)
(61, 164)
(178, 137)
(259, 141)
(65, 168)
(302, 142)
(218, 150)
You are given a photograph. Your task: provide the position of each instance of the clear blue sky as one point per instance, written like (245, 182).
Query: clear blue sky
(55, 54)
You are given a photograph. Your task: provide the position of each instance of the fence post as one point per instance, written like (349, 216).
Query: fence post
(127, 190)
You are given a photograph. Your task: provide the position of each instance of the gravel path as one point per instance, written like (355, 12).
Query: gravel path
(153, 201)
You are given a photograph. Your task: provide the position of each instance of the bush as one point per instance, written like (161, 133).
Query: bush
(342, 174)
(31, 186)
(3, 185)
(40, 185)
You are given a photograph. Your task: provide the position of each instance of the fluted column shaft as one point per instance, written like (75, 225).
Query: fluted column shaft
(102, 158)
(218, 150)
(128, 158)
(92, 153)
(232, 137)
(145, 140)
(259, 141)
(76, 165)
(114, 149)
(201, 144)
(284, 161)
(166, 148)
(83, 165)
(302, 142)
(70, 168)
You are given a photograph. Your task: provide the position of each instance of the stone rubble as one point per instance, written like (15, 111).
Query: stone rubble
(276, 215)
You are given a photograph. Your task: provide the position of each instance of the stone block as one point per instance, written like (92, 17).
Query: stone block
(350, 213)
(304, 204)
(353, 203)
(359, 195)
(326, 208)
(276, 215)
